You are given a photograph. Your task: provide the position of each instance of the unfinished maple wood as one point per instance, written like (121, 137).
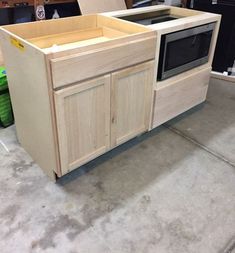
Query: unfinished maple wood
(67, 37)
(131, 93)
(83, 114)
(83, 121)
(115, 44)
(138, 11)
(68, 30)
(31, 104)
(106, 29)
(101, 61)
(97, 6)
(98, 31)
(52, 26)
(179, 95)
(76, 36)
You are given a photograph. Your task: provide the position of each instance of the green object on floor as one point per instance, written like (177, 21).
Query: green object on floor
(6, 115)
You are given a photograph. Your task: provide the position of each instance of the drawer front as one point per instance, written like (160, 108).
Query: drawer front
(180, 96)
(74, 68)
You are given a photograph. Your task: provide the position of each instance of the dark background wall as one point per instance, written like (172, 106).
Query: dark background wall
(225, 49)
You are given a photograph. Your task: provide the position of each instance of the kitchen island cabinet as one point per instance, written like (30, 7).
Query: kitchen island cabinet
(69, 79)
(180, 92)
(81, 86)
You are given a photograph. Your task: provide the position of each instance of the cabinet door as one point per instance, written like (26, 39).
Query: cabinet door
(83, 122)
(131, 98)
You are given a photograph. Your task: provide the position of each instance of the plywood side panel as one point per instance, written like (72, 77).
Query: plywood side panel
(97, 6)
(27, 78)
(67, 37)
(183, 12)
(121, 25)
(52, 26)
(134, 11)
(179, 96)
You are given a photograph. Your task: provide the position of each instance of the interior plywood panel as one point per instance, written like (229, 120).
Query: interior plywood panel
(97, 6)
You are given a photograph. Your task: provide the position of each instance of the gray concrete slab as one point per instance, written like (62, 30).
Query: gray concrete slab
(213, 123)
(159, 193)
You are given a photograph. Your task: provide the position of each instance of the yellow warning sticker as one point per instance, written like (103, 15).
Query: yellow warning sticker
(15, 42)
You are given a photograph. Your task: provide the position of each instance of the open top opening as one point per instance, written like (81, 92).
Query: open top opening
(75, 31)
(157, 16)
(150, 18)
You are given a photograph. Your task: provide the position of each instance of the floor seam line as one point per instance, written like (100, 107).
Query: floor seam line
(215, 154)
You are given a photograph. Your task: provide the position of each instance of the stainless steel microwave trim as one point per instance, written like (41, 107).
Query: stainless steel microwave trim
(189, 32)
(184, 67)
(181, 35)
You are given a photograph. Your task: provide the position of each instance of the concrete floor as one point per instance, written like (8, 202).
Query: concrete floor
(169, 191)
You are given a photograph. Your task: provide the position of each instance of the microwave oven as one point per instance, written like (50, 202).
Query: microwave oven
(184, 50)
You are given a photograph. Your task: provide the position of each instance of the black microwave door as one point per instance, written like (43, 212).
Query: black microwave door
(187, 50)
(183, 50)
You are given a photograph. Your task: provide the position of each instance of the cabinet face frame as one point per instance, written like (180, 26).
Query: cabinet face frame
(76, 90)
(147, 81)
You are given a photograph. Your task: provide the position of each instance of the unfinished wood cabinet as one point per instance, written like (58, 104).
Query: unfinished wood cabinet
(131, 93)
(60, 74)
(83, 85)
(83, 122)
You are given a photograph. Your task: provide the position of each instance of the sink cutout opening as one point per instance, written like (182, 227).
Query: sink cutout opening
(68, 33)
(151, 17)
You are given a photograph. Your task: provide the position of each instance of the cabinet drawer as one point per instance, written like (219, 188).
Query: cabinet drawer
(179, 96)
(77, 67)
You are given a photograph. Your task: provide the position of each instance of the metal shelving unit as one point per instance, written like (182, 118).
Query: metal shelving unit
(38, 6)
